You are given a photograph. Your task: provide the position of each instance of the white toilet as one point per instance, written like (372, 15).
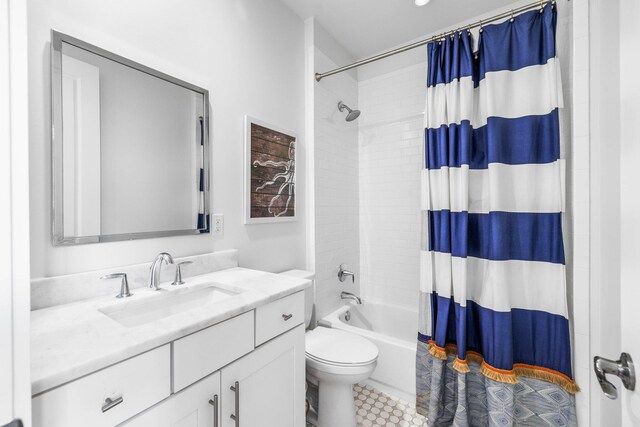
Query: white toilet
(335, 361)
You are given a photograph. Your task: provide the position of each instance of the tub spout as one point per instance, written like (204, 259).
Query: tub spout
(350, 296)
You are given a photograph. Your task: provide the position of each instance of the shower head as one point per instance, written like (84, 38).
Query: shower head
(352, 115)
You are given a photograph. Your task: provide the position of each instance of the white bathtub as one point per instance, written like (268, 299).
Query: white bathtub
(393, 330)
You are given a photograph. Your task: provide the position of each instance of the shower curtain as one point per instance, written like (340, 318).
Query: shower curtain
(494, 344)
(203, 216)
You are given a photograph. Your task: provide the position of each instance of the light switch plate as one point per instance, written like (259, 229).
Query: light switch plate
(218, 224)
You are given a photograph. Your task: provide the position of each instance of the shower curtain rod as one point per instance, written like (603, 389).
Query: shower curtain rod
(538, 4)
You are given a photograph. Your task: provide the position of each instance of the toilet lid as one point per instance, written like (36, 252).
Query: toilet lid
(339, 347)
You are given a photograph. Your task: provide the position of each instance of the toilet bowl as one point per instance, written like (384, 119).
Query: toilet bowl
(335, 361)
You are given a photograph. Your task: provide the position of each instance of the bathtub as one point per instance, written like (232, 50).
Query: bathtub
(393, 330)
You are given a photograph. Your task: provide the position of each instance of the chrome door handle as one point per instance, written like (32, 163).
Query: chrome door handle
(287, 316)
(622, 368)
(214, 402)
(236, 389)
(110, 403)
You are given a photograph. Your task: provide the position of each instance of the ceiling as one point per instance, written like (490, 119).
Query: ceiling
(366, 27)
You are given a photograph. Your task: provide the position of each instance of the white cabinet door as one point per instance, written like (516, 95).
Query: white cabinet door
(194, 406)
(629, 205)
(270, 385)
(15, 385)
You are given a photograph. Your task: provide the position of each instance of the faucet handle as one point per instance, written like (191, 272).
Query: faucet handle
(343, 273)
(178, 279)
(124, 284)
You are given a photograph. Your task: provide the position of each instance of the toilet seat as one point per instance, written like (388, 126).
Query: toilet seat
(327, 346)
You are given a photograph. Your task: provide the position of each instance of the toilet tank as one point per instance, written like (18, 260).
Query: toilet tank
(309, 296)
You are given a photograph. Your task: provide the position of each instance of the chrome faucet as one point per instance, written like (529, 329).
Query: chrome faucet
(156, 265)
(350, 296)
(343, 273)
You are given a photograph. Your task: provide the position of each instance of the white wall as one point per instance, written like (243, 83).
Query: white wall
(248, 53)
(336, 175)
(573, 28)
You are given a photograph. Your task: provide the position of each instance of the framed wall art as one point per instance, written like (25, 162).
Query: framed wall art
(270, 173)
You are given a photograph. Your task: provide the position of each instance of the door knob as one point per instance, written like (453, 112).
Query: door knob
(622, 368)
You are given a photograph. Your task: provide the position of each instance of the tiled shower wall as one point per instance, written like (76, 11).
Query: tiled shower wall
(336, 186)
(390, 143)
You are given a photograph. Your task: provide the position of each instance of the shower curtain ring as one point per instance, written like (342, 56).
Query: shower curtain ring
(481, 28)
(512, 19)
(541, 6)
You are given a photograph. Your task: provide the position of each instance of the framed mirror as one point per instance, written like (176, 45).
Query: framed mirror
(130, 148)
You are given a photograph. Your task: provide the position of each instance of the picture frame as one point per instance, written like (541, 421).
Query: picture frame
(269, 173)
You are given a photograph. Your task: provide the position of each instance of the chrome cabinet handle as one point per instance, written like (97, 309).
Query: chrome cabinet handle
(622, 368)
(236, 389)
(110, 403)
(214, 403)
(287, 316)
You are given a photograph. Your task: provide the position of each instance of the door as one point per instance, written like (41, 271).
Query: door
(630, 200)
(615, 179)
(196, 406)
(81, 147)
(266, 387)
(15, 387)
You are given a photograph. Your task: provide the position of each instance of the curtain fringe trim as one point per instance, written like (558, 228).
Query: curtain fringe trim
(502, 375)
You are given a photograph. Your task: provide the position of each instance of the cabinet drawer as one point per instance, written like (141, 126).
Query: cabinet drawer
(279, 316)
(139, 382)
(199, 354)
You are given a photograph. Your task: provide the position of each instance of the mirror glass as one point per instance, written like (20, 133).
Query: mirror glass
(129, 148)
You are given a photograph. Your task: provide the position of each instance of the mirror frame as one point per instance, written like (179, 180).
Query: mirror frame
(57, 219)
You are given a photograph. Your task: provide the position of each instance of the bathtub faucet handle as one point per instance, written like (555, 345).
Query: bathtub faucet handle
(343, 273)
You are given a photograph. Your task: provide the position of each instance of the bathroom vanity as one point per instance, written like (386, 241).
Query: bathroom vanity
(228, 352)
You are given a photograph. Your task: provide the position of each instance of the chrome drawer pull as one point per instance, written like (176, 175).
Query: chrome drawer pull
(287, 316)
(236, 389)
(214, 403)
(110, 403)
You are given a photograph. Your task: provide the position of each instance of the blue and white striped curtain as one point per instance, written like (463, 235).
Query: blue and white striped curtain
(494, 343)
(203, 214)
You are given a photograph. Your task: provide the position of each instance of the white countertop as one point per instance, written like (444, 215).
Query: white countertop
(72, 340)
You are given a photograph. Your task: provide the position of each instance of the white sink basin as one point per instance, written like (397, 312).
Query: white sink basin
(165, 304)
